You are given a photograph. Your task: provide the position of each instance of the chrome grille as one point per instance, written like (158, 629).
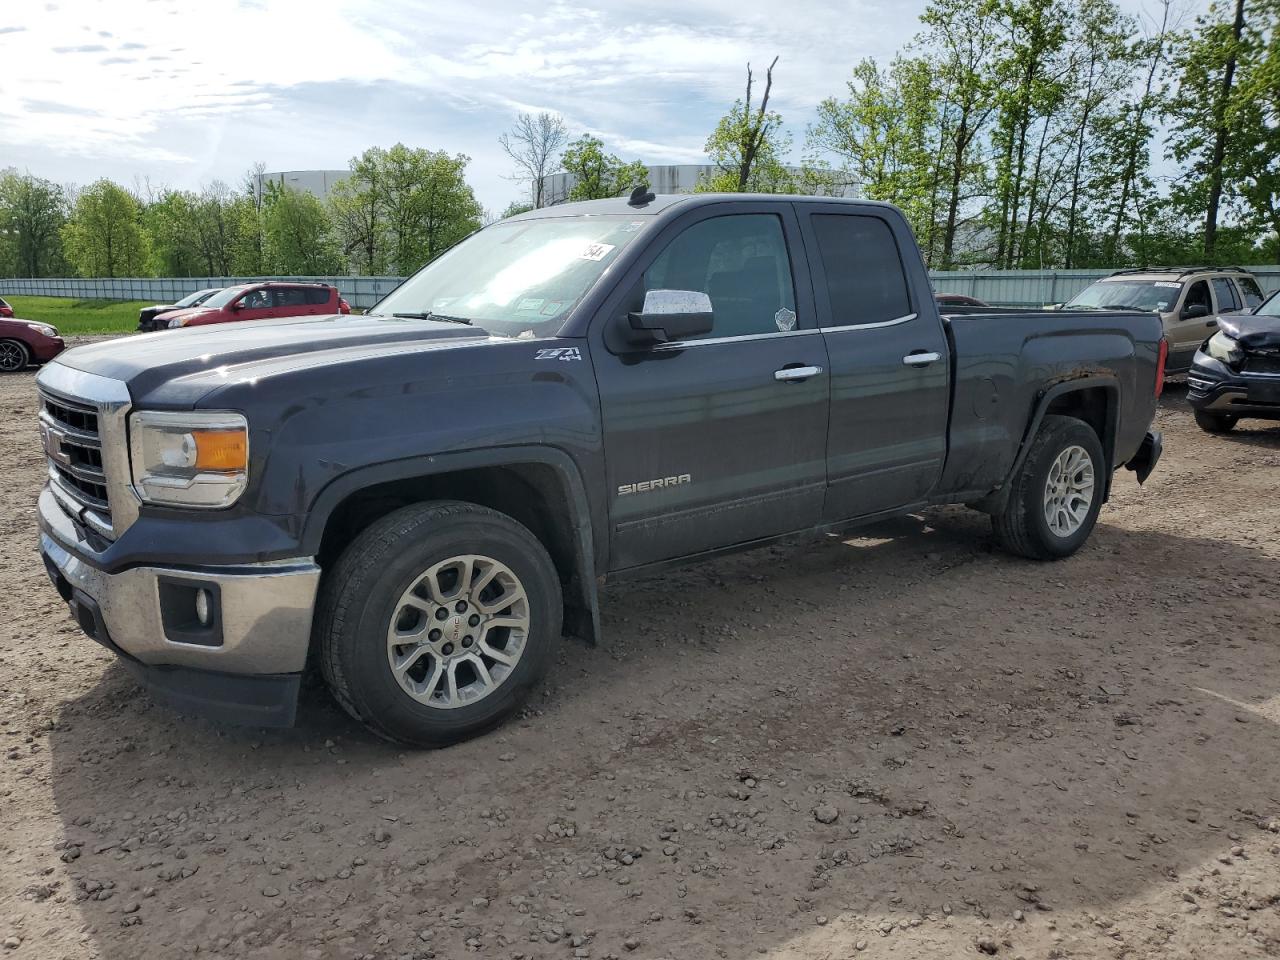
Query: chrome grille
(73, 447)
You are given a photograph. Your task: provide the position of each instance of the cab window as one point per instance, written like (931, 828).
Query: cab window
(866, 282)
(740, 261)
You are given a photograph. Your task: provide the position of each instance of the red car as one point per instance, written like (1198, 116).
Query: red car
(5, 309)
(262, 301)
(24, 341)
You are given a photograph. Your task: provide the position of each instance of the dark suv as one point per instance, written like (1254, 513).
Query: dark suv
(1236, 373)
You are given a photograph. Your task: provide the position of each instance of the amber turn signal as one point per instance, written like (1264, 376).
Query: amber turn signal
(221, 450)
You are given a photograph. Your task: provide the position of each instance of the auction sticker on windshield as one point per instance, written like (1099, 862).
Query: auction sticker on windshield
(597, 251)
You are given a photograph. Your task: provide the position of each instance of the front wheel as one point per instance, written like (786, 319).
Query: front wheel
(1056, 496)
(1215, 422)
(13, 356)
(437, 621)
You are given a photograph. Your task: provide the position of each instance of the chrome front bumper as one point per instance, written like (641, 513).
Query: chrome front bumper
(265, 611)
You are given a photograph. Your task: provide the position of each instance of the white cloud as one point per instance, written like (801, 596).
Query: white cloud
(187, 90)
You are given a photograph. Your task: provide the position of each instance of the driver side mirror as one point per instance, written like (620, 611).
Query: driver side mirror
(670, 315)
(1194, 311)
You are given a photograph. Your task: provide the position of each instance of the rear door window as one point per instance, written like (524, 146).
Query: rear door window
(866, 282)
(1225, 292)
(291, 296)
(317, 296)
(1252, 292)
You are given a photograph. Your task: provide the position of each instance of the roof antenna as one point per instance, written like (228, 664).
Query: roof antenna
(641, 196)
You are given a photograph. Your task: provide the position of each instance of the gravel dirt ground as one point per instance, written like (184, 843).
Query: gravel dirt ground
(901, 745)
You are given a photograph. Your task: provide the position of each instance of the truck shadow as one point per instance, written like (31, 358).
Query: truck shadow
(996, 735)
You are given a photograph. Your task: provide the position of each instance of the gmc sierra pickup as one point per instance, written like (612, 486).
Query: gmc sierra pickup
(417, 501)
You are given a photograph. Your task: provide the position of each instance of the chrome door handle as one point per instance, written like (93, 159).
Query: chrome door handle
(921, 359)
(796, 373)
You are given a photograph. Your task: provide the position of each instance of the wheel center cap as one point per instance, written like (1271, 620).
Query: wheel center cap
(453, 628)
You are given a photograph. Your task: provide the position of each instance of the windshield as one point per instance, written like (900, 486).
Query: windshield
(192, 298)
(1269, 307)
(1154, 295)
(515, 279)
(225, 297)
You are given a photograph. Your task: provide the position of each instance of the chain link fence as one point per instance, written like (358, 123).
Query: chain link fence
(1011, 288)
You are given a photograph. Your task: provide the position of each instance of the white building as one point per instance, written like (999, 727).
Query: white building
(316, 182)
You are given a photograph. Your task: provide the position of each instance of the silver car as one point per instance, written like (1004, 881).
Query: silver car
(1188, 299)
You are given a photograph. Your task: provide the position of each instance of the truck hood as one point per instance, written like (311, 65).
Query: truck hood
(202, 358)
(1251, 331)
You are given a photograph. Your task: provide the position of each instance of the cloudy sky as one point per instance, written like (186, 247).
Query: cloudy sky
(181, 92)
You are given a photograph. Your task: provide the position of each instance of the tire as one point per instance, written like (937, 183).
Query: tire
(1215, 422)
(1024, 527)
(363, 599)
(14, 356)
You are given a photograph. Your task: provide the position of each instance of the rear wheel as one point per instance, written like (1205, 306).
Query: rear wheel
(1215, 422)
(437, 621)
(14, 356)
(1057, 494)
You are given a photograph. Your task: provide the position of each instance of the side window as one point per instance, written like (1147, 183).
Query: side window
(256, 299)
(1225, 291)
(1199, 293)
(866, 282)
(1252, 292)
(740, 261)
(291, 296)
(317, 296)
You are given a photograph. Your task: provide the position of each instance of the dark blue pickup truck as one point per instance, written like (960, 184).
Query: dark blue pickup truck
(421, 500)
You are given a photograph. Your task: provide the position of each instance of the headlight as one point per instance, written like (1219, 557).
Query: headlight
(177, 322)
(44, 328)
(189, 459)
(1221, 347)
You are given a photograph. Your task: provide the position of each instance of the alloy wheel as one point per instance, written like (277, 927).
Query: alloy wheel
(1069, 491)
(458, 631)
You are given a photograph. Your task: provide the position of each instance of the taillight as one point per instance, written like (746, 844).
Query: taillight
(1160, 361)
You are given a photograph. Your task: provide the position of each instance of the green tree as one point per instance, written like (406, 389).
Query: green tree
(959, 40)
(298, 233)
(515, 207)
(170, 222)
(597, 174)
(358, 205)
(32, 213)
(428, 205)
(1207, 111)
(1251, 167)
(885, 134)
(104, 236)
(748, 146)
(1031, 37)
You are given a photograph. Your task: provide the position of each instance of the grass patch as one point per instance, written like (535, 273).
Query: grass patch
(73, 317)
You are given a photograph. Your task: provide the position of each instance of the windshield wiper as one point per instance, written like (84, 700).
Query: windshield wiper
(425, 315)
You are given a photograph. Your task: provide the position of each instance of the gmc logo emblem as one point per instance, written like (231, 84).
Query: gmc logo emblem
(52, 442)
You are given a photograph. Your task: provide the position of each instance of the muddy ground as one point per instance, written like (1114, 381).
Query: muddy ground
(903, 745)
